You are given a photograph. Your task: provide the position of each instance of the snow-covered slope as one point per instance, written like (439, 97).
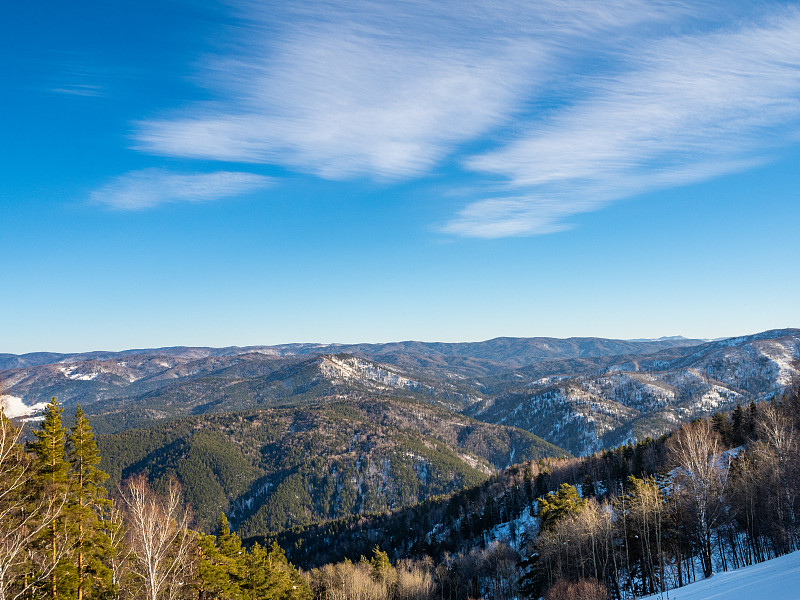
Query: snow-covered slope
(776, 579)
(648, 396)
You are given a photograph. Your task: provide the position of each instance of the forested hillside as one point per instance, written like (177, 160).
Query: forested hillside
(341, 456)
(274, 469)
(638, 519)
(717, 494)
(62, 536)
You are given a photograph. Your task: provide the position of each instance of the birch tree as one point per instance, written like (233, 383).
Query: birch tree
(696, 450)
(23, 520)
(158, 537)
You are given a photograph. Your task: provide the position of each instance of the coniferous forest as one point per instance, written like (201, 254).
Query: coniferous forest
(716, 494)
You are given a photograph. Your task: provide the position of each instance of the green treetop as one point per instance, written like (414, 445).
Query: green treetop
(52, 478)
(556, 505)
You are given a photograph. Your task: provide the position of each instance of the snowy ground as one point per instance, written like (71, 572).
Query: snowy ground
(776, 579)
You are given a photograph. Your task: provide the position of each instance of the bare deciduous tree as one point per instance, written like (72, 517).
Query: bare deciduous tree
(158, 536)
(583, 589)
(22, 521)
(702, 480)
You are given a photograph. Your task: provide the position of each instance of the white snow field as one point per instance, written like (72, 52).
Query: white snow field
(776, 579)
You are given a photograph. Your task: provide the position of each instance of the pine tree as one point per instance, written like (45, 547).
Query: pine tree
(739, 426)
(269, 576)
(723, 426)
(587, 487)
(222, 563)
(382, 570)
(528, 482)
(557, 505)
(88, 502)
(51, 476)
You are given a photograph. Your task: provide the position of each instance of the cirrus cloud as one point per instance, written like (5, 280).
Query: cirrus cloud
(559, 107)
(377, 89)
(688, 109)
(150, 187)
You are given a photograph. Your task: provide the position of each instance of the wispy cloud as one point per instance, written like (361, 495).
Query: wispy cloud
(77, 74)
(79, 89)
(689, 109)
(583, 102)
(379, 89)
(150, 187)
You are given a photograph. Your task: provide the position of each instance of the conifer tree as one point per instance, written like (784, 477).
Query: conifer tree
(382, 570)
(52, 478)
(222, 563)
(279, 580)
(557, 505)
(88, 502)
(528, 482)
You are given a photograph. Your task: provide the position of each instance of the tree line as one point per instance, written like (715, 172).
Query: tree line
(62, 536)
(639, 519)
(642, 518)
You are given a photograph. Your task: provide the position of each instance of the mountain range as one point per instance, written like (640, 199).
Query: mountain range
(582, 394)
(280, 437)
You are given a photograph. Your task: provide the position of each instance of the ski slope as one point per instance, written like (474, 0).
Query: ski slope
(776, 579)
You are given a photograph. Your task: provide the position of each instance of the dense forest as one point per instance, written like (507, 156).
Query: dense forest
(275, 469)
(642, 518)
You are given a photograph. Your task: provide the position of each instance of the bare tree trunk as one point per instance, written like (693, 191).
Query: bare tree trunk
(701, 480)
(157, 530)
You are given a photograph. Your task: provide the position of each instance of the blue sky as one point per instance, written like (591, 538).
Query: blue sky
(236, 173)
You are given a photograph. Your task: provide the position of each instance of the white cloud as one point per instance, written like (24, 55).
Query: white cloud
(149, 187)
(379, 89)
(584, 102)
(79, 89)
(693, 108)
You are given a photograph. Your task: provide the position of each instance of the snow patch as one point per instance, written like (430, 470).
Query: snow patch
(68, 373)
(15, 408)
(351, 368)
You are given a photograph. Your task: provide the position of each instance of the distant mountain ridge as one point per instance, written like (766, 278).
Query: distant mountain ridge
(502, 350)
(637, 397)
(582, 394)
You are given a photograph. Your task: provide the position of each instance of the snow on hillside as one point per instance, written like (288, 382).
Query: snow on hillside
(776, 579)
(351, 368)
(14, 407)
(647, 397)
(69, 374)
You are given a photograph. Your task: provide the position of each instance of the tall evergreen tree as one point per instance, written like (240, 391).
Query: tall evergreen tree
(52, 469)
(557, 505)
(271, 577)
(88, 501)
